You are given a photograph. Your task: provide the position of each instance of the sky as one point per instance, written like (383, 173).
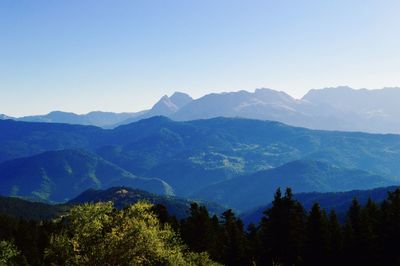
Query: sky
(122, 56)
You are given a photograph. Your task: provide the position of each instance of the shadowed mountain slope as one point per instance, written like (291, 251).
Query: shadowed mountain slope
(61, 175)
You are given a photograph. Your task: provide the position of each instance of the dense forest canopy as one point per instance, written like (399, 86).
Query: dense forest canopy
(145, 234)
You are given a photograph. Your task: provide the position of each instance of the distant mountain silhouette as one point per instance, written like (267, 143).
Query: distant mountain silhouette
(253, 190)
(101, 119)
(340, 108)
(265, 104)
(180, 99)
(362, 110)
(3, 117)
(166, 106)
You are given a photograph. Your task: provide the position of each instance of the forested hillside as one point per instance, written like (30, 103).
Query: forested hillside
(287, 234)
(190, 156)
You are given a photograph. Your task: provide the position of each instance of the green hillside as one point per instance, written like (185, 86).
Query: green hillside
(61, 175)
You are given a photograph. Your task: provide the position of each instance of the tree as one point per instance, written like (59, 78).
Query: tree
(8, 253)
(390, 229)
(317, 237)
(254, 245)
(353, 238)
(283, 230)
(202, 233)
(369, 233)
(98, 234)
(234, 240)
(335, 239)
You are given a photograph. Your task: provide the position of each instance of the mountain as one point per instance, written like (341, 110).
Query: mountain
(23, 139)
(361, 110)
(124, 196)
(121, 196)
(339, 201)
(192, 155)
(61, 175)
(265, 104)
(340, 108)
(301, 176)
(19, 208)
(166, 106)
(100, 119)
(180, 99)
(4, 117)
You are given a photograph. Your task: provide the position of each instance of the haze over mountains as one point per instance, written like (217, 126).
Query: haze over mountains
(220, 147)
(301, 176)
(340, 108)
(58, 161)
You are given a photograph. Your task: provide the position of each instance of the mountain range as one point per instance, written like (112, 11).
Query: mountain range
(97, 118)
(57, 176)
(188, 157)
(301, 176)
(340, 108)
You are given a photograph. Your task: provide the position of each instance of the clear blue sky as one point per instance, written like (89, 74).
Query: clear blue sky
(83, 55)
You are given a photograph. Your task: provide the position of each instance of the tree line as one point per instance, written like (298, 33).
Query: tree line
(143, 234)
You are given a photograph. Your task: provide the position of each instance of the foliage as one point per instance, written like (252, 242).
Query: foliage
(8, 253)
(143, 234)
(101, 235)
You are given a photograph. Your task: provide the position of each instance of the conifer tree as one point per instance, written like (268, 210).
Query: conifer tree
(283, 230)
(317, 237)
(234, 240)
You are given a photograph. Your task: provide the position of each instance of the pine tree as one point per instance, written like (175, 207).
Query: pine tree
(390, 229)
(335, 239)
(283, 230)
(352, 234)
(202, 233)
(234, 244)
(317, 241)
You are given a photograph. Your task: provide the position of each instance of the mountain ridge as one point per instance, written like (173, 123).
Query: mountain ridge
(301, 176)
(192, 155)
(334, 108)
(59, 175)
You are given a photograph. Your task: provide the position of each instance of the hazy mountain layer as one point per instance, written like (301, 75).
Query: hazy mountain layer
(192, 155)
(340, 108)
(166, 106)
(100, 119)
(253, 190)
